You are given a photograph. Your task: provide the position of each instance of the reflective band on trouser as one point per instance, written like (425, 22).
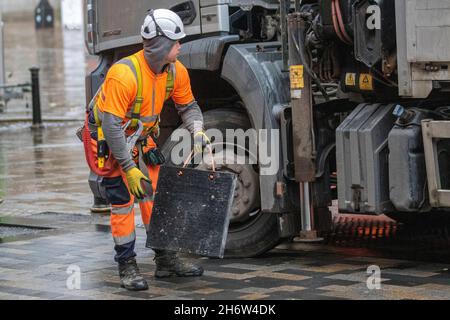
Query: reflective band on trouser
(120, 241)
(121, 210)
(122, 223)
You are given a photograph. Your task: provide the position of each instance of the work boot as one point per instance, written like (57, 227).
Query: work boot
(169, 264)
(130, 277)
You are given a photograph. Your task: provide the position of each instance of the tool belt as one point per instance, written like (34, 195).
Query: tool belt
(107, 167)
(150, 157)
(154, 157)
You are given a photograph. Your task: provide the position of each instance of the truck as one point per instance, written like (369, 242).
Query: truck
(357, 89)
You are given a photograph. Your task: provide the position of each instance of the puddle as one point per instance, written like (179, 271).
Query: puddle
(10, 233)
(57, 216)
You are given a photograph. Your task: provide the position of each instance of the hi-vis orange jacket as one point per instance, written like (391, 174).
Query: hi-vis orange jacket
(120, 87)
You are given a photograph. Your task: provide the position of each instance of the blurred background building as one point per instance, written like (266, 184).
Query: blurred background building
(59, 52)
(24, 9)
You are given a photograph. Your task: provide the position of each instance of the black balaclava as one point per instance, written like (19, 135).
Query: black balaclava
(156, 51)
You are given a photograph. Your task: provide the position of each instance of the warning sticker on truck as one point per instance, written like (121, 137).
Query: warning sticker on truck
(296, 75)
(366, 82)
(350, 79)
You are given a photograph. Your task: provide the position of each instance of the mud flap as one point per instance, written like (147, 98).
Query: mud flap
(191, 211)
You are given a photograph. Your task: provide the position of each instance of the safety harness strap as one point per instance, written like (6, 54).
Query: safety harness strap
(170, 83)
(101, 158)
(136, 109)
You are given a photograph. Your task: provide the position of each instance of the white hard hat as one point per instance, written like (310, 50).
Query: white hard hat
(162, 22)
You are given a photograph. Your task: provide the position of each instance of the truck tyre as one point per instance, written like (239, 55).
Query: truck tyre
(250, 232)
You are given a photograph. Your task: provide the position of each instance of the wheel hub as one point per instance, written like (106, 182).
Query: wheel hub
(246, 194)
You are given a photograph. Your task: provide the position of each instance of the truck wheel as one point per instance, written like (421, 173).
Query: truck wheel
(250, 232)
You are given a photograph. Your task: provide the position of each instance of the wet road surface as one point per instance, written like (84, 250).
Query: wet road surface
(39, 268)
(42, 170)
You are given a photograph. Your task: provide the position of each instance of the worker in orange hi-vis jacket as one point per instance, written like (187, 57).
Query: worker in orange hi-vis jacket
(134, 93)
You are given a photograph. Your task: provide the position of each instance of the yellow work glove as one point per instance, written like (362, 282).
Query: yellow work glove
(134, 177)
(200, 141)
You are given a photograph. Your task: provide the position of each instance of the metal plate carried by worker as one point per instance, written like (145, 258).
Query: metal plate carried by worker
(191, 211)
